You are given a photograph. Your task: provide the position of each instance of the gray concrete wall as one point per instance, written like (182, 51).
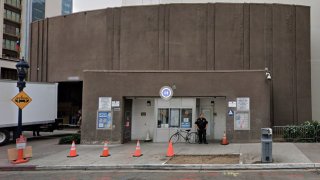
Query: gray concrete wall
(217, 36)
(235, 84)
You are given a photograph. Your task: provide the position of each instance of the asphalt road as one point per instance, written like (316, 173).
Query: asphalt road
(161, 175)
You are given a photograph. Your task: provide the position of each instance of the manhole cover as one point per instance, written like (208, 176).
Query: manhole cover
(205, 159)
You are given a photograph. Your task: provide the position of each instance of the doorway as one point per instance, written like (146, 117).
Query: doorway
(127, 123)
(143, 120)
(69, 102)
(214, 110)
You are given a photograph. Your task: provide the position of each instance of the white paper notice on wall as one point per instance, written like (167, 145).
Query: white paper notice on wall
(232, 104)
(104, 103)
(242, 121)
(115, 103)
(243, 104)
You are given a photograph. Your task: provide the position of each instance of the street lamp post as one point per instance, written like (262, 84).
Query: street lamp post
(22, 68)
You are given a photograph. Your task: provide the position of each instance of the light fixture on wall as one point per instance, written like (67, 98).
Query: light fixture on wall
(148, 103)
(268, 74)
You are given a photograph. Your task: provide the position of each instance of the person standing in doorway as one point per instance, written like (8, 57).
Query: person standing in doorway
(202, 125)
(79, 120)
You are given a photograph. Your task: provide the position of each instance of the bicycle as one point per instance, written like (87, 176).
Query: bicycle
(190, 137)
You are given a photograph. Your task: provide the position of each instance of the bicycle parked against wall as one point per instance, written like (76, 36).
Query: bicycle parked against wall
(190, 137)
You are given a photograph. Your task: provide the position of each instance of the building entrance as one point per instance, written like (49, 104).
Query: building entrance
(214, 110)
(69, 102)
(159, 119)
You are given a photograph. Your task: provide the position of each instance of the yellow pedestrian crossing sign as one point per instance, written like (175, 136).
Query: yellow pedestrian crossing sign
(21, 99)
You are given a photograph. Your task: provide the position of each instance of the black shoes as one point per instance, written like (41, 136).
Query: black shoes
(203, 143)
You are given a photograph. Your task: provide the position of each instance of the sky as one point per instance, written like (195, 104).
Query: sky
(85, 5)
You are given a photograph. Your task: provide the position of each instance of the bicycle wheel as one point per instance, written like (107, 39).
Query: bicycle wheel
(193, 138)
(174, 138)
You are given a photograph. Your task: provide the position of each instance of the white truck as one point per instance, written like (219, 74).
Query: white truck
(41, 112)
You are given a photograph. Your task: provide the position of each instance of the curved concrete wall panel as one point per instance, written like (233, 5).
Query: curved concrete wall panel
(214, 36)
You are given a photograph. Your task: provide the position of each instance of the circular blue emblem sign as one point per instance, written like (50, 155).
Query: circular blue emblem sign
(166, 92)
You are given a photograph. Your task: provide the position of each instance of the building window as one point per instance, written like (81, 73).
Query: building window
(15, 3)
(11, 15)
(66, 7)
(38, 10)
(175, 118)
(163, 118)
(7, 73)
(7, 44)
(186, 118)
(12, 30)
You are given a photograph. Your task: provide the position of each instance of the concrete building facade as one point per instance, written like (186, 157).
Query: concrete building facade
(212, 55)
(15, 19)
(11, 18)
(39, 10)
(314, 29)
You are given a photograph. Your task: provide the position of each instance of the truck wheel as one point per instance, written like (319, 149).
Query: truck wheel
(4, 137)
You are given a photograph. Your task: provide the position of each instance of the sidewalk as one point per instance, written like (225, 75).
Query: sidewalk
(51, 156)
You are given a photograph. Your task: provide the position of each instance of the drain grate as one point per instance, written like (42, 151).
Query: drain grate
(205, 159)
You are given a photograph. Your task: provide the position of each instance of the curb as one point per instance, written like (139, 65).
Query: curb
(18, 168)
(165, 167)
(184, 167)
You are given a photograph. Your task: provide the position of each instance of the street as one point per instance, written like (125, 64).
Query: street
(172, 175)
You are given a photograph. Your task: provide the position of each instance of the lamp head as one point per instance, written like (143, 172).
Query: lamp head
(22, 69)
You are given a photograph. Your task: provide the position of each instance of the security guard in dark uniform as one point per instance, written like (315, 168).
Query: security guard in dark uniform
(202, 125)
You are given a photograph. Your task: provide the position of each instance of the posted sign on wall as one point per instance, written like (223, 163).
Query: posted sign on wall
(242, 121)
(243, 104)
(105, 103)
(242, 115)
(104, 120)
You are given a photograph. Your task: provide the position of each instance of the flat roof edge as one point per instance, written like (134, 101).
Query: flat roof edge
(171, 71)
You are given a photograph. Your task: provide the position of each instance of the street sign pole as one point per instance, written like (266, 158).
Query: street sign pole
(19, 123)
(19, 129)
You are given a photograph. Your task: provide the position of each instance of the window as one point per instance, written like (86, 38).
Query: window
(18, 31)
(38, 10)
(163, 118)
(186, 118)
(12, 45)
(7, 73)
(14, 3)
(7, 44)
(13, 16)
(8, 14)
(66, 7)
(17, 18)
(175, 117)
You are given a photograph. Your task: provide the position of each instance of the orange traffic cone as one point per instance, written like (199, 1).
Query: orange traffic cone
(73, 151)
(170, 151)
(137, 153)
(105, 152)
(20, 158)
(224, 140)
